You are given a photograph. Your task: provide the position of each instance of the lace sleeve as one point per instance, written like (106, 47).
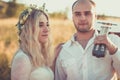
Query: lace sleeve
(21, 67)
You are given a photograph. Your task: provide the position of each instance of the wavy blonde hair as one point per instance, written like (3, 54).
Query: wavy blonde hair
(39, 53)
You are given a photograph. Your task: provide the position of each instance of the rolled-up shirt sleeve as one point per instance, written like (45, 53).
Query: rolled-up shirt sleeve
(116, 62)
(116, 56)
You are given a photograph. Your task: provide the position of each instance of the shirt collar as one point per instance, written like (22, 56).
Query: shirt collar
(72, 40)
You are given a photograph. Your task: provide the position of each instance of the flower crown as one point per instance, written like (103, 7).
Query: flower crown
(25, 14)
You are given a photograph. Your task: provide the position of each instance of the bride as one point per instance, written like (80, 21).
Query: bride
(33, 59)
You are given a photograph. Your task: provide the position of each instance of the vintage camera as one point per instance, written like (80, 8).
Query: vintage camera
(99, 50)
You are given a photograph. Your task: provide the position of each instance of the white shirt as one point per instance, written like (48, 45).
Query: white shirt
(76, 63)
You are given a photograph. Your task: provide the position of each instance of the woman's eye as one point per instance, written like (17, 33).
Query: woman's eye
(48, 25)
(43, 24)
(40, 25)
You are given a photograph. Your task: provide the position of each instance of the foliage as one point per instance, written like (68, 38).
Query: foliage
(102, 17)
(14, 9)
(4, 67)
(11, 10)
(58, 15)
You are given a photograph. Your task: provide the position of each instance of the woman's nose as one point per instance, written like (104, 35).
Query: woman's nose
(46, 29)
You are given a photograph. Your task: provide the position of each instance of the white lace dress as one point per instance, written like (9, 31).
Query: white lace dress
(22, 69)
(43, 73)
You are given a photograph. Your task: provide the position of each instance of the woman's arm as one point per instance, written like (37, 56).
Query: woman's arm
(21, 67)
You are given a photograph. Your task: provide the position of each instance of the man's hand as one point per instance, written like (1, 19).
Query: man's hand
(103, 39)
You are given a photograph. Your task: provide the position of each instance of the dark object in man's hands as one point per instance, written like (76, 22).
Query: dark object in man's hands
(99, 50)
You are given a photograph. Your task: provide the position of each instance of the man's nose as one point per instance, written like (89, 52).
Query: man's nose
(82, 17)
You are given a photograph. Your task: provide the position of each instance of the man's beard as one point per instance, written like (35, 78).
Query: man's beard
(82, 30)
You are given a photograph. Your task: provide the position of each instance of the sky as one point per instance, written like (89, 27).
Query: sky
(106, 7)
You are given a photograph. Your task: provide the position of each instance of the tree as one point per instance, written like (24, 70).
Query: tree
(14, 1)
(4, 67)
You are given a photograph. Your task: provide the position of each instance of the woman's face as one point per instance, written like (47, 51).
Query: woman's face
(44, 29)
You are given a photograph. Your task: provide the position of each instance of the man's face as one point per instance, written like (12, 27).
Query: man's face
(83, 16)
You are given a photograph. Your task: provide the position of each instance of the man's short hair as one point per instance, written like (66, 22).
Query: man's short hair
(91, 1)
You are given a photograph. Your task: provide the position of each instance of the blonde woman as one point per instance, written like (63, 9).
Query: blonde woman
(32, 61)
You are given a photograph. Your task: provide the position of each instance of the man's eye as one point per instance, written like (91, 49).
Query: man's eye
(77, 14)
(87, 13)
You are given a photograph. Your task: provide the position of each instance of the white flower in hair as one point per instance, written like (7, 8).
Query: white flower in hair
(43, 8)
(25, 14)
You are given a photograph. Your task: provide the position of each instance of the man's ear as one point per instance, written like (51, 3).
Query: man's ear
(96, 16)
